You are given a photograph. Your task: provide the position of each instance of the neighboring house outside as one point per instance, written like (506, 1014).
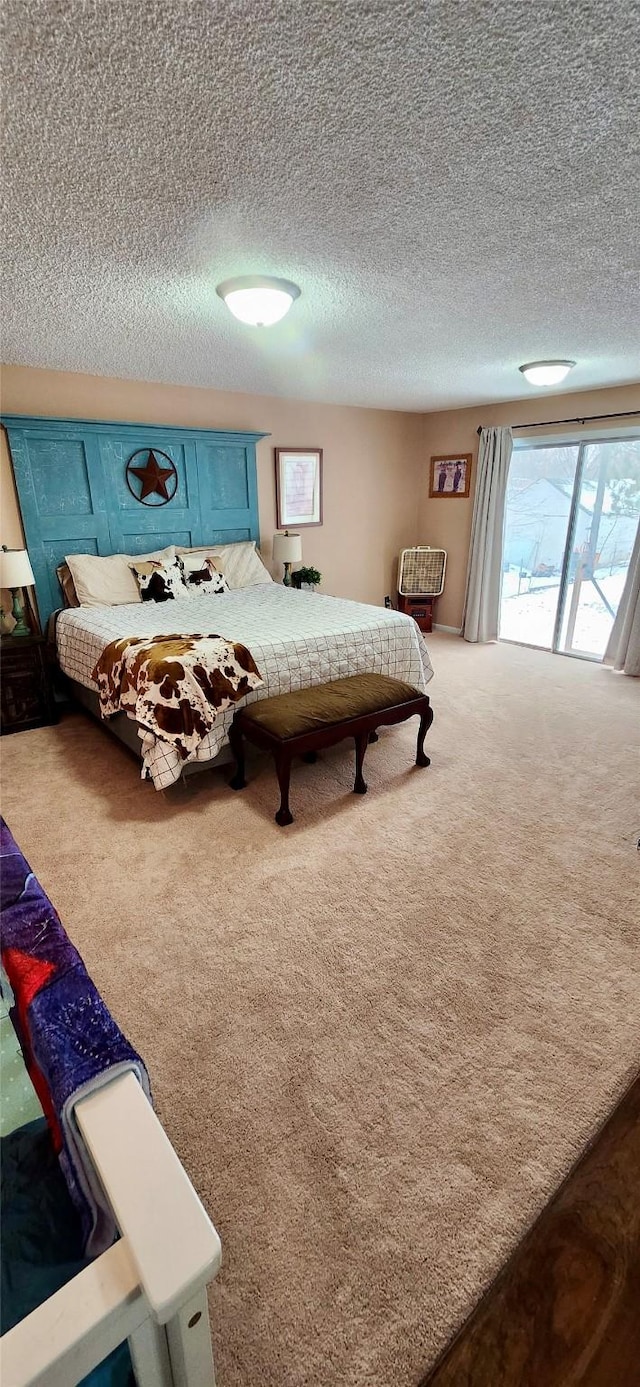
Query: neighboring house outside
(536, 528)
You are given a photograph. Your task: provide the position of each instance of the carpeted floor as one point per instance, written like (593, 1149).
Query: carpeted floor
(377, 1038)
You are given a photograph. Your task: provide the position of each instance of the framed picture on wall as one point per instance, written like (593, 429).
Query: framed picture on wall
(298, 486)
(450, 475)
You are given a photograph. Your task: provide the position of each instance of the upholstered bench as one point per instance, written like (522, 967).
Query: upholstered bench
(303, 722)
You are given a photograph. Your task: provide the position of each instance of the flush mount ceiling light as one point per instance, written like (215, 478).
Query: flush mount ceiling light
(546, 372)
(258, 299)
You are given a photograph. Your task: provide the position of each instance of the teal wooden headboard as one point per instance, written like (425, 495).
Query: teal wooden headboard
(71, 481)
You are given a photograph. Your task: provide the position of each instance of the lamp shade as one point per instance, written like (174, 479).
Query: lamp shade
(15, 569)
(287, 548)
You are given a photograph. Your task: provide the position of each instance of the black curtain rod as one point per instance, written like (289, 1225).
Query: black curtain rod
(546, 423)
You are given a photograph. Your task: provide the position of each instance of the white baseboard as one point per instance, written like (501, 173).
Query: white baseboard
(452, 630)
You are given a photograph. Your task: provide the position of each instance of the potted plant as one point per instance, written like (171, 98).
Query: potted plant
(306, 578)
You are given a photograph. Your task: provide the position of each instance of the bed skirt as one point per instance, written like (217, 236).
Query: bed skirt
(126, 729)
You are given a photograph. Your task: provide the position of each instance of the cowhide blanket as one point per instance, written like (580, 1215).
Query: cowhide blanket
(174, 686)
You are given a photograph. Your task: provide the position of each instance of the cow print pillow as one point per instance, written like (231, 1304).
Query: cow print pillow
(202, 576)
(159, 582)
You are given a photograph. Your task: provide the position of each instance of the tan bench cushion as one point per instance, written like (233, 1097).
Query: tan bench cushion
(324, 705)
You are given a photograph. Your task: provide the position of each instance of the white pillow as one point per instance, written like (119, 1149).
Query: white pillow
(109, 582)
(240, 562)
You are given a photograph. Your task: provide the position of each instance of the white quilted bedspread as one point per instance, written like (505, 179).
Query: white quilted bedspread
(296, 638)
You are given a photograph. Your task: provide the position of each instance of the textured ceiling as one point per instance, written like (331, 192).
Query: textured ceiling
(453, 185)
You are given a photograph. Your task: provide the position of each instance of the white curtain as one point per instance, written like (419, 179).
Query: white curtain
(623, 650)
(484, 574)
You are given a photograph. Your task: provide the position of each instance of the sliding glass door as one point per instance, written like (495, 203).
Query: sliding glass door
(606, 520)
(539, 492)
(571, 518)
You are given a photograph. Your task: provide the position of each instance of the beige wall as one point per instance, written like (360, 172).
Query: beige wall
(371, 462)
(375, 464)
(446, 523)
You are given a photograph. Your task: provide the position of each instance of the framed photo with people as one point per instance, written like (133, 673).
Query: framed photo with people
(450, 475)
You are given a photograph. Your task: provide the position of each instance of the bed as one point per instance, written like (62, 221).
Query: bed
(297, 639)
(83, 498)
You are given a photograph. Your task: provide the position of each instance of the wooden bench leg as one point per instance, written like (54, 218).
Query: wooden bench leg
(236, 742)
(426, 720)
(362, 742)
(283, 772)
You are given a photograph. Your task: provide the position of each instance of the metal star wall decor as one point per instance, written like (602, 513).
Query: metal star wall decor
(153, 479)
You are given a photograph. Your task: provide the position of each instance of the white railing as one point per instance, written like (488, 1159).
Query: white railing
(150, 1287)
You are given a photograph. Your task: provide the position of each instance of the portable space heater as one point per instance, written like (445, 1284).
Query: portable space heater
(420, 582)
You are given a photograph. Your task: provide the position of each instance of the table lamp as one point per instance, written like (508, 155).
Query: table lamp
(287, 549)
(16, 573)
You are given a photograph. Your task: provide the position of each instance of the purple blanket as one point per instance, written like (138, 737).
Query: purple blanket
(70, 1041)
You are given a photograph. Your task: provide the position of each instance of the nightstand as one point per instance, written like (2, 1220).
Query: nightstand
(26, 693)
